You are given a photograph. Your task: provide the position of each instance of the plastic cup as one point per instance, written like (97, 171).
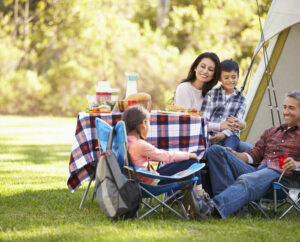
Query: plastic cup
(281, 159)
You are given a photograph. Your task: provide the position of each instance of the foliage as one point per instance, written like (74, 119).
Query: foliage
(54, 52)
(36, 205)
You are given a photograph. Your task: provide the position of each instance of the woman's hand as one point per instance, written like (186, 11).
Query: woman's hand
(219, 136)
(290, 164)
(193, 156)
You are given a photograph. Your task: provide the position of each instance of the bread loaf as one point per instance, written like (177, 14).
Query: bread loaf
(140, 96)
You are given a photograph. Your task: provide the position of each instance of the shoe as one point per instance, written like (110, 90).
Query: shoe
(203, 194)
(196, 206)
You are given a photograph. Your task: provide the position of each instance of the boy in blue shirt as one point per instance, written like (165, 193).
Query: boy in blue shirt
(225, 102)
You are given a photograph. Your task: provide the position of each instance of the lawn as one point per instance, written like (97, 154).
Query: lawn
(36, 205)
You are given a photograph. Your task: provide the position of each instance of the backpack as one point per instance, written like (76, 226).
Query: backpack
(118, 197)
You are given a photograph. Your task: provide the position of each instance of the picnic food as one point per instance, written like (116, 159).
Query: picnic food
(104, 108)
(193, 111)
(175, 108)
(140, 98)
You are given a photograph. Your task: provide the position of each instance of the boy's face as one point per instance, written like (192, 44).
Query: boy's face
(229, 80)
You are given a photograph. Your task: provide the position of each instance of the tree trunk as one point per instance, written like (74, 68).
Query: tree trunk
(162, 12)
(16, 19)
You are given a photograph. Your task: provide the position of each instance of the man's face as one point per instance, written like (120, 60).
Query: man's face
(291, 111)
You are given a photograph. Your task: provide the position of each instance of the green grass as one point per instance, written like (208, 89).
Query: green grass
(36, 205)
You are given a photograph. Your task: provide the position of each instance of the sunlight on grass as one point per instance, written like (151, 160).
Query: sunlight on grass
(36, 205)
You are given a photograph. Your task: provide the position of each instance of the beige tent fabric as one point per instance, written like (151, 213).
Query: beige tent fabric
(281, 15)
(284, 55)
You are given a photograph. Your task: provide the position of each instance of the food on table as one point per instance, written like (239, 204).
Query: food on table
(193, 111)
(175, 108)
(104, 108)
(140, 98)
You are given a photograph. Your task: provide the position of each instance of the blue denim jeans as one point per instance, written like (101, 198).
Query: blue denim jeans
(175, 167)
(235, 183)
(231, 141)
(243, 146)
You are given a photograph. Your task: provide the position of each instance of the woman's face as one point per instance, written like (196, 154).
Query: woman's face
(205, 70)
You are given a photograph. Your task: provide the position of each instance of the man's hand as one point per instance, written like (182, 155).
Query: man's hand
(219, 136)
(290, 164)
(241, 156)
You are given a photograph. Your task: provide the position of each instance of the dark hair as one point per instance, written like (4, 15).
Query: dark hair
(192, 75)
(133, 116)
(294, 94)
(229, 65)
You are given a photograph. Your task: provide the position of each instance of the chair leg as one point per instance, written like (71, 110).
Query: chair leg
(161, 203)
(254, 204)
(85, 194)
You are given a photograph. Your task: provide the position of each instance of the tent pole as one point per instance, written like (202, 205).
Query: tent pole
(268, 73)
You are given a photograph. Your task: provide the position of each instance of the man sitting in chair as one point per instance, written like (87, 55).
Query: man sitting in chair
(235, 182)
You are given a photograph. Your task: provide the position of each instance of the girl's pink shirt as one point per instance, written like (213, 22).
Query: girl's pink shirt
(141, 152)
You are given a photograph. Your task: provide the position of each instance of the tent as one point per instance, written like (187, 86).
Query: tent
(281, 61)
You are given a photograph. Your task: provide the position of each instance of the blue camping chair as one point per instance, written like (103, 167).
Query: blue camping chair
(292, 197)
(178, 181)
(279, 195)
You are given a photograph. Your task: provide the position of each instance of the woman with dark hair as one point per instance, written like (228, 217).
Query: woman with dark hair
(204, 74)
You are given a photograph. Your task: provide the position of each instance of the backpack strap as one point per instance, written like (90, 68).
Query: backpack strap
(134, 171)
(110, 140)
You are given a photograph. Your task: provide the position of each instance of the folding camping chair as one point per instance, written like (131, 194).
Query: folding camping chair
(292, 197)
(279, 195)
(178, 181)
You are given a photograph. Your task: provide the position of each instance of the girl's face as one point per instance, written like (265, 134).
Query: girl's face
(205, 70)
(144, 128)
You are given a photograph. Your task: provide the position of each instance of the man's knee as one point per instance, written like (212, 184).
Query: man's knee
(214, 149)
(215, 154)
(249, 182)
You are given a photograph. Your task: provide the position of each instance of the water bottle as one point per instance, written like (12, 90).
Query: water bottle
(131, 83)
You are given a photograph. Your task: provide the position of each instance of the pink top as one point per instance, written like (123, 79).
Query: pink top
(141, 152)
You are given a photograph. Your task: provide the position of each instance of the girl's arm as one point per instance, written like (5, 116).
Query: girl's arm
(155, 154)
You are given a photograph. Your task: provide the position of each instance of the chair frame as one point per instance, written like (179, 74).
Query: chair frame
(289, 200)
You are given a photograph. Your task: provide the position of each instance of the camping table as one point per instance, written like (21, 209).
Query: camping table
(169, 132)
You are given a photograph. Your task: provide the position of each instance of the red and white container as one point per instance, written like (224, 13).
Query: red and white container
(104, 91)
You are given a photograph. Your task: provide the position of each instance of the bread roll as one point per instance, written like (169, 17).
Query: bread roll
(104, 108)
(140, 96)
(175, 108)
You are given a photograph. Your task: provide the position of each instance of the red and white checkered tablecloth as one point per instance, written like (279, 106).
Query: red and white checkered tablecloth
(169, 132)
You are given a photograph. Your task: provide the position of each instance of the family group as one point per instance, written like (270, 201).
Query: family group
(238, 172)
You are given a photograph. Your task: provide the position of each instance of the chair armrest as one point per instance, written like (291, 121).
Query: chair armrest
(178, 176)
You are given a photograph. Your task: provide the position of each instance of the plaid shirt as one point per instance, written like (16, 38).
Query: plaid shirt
(216, 108)
(274, 141)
